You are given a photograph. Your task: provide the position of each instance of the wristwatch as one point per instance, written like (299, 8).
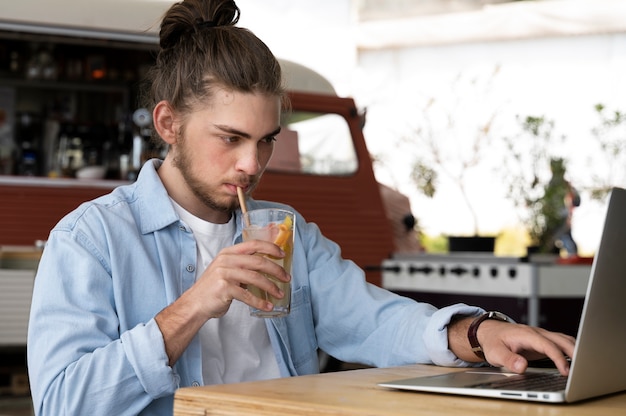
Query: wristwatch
(473, 328)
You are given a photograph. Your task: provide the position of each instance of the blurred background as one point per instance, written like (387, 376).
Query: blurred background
(453, 92)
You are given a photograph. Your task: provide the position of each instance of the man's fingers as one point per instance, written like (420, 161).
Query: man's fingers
(249, 299)
(255, 247)
(512, 347)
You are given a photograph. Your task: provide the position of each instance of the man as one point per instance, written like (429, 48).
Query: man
(142, 291)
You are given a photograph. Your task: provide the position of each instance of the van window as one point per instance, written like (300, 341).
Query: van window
(314, 143)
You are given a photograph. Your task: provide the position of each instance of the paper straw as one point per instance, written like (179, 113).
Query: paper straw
(242, 204)
(242, 200)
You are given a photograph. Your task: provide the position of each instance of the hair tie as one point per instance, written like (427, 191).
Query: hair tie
(205, 24)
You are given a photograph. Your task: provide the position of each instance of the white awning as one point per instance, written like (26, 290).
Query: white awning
(509, 21)
(136, 20)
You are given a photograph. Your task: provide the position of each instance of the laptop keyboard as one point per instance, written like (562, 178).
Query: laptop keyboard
(529, 382)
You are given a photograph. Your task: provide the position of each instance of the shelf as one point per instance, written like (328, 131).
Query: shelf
(81, 86)
(42, 181)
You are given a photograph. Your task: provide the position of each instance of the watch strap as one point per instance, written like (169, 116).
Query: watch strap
(473, 330)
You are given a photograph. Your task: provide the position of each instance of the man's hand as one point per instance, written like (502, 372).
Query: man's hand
(225, 279)
(232, 270)
(511, 345)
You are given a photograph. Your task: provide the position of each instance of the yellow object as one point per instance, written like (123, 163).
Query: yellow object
(284, 233)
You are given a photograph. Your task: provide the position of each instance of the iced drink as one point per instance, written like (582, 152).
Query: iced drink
(275, 225)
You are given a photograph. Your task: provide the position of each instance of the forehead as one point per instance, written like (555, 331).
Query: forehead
(224, 97)
(252, 109)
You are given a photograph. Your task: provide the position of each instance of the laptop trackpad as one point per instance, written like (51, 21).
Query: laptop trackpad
(459, 379)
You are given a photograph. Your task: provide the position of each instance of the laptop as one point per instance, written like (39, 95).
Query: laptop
(598, 366)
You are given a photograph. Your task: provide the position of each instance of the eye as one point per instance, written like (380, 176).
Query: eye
(230, 139)
(269, 139)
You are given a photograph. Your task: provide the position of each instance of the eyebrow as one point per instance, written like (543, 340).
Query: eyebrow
(231, 130)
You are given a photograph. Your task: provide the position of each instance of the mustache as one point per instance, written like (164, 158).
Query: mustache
(246, 182)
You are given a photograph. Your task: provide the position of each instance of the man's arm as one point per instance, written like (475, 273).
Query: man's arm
(77, 343)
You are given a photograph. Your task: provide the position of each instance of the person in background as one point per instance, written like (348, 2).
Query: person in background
(142, 291)
(562, 198)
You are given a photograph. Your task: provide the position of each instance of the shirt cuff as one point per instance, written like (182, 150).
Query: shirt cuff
(436, 334)
(145, 350)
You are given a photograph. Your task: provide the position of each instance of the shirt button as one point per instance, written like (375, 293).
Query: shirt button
(191, 268)
(182, 228)
(195, 384)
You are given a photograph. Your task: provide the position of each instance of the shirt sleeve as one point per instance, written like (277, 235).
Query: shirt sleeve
(80, 361)
(436, 334)
(371, 325)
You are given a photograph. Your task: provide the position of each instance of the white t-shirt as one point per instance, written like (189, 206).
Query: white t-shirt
(235, 347)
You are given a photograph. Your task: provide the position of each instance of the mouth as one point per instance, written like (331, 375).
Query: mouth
(245, 187)
(246, 183)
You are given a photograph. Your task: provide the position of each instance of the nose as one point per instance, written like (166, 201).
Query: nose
(248, 161)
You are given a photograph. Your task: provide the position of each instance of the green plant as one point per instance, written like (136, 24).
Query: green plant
(434, 244)
(534, 176)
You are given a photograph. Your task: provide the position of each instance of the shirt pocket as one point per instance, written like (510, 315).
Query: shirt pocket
(301, 331)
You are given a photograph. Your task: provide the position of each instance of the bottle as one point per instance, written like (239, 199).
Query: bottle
(29, 161)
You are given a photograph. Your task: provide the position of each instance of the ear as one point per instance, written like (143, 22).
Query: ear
(165, 122)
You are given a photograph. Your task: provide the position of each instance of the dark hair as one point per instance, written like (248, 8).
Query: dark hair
(201, 48)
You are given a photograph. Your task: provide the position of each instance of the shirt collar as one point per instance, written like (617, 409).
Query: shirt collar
(155, 211)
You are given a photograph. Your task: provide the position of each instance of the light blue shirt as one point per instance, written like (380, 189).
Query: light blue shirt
(114, 263)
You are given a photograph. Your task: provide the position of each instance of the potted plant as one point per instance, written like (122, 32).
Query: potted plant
(535, 176)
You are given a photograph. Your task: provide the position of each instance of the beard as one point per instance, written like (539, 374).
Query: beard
(205, 193)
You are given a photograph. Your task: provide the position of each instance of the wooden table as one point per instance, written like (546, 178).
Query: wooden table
(355, 392)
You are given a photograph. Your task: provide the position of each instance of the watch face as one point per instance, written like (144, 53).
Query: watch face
(500, 316)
